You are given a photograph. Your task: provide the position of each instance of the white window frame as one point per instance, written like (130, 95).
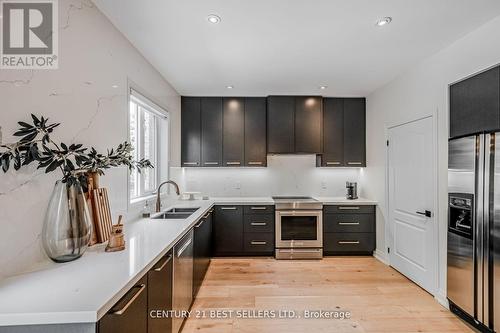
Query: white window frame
(161, 114)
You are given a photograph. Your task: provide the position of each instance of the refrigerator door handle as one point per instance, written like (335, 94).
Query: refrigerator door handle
(478, 239)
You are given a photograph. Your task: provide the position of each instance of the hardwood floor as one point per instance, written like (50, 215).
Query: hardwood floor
(378, 298)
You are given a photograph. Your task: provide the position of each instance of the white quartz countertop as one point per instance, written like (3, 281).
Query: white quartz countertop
(344, 201)
(83, 291)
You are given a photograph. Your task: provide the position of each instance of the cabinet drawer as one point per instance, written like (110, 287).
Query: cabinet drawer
(259, 209)
(345, 243)
(259, 223)
(348, 223)
(262, 243)
(349, 209)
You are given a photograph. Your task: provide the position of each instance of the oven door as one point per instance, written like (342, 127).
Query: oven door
(299, 229)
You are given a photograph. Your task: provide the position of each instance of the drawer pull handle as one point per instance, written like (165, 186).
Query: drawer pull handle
(255, 163)
(349, 208)
(354, 163)
(332, 163)
(348, 242)
(233, 163)
(211, 163)
(258, 223)
(201, 222)
(259, 208)
(129, 303)
(190, 163)
(258, 242)
(159, 269)
(228, 208)
(348, 223)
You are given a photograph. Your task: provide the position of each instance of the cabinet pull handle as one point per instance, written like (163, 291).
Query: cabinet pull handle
(190, 163)
(258, 223)
(354, 163)
(258, 242)
(255, 163)
(211, 163)
(332, 163)
(184, 247)
(349, 208)
(233, 163)
(201, 222)
(348, 242)
(129, 303)
(348, 223)
(159, 269)
(228, 208)
(259, 208)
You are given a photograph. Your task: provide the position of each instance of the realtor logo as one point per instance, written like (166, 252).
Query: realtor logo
(29, 37)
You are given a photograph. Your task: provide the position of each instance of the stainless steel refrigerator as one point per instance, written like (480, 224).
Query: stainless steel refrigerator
(474, 229)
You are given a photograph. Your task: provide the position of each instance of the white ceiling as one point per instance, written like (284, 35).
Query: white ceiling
(264, 47)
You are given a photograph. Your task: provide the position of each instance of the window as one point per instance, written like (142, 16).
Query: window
(147, 124)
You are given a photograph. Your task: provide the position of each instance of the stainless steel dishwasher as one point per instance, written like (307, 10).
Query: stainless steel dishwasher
(183, 279)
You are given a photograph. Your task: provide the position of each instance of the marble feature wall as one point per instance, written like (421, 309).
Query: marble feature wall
(284, 175)
(88, 96)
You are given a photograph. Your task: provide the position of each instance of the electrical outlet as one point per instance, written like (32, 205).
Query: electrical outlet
(237, 186)
(323, 185)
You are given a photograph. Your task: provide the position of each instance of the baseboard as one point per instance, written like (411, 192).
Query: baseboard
(441, 299)
(380, 256)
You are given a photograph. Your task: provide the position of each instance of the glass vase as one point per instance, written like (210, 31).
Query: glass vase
(67, 227)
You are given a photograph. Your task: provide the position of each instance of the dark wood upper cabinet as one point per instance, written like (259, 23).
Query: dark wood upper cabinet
(308, 124)
(333, 132)
(281, 124)
(211, 131)
(355, 132)
(255, 132)
(190, 131)
(234, 131)
(475, 104)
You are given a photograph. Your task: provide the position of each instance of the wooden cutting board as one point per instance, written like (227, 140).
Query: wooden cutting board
(101, 213)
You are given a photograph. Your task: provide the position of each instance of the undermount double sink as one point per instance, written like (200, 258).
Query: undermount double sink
(175, 214)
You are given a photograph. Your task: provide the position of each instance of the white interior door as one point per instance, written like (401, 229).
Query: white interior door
(412, 191)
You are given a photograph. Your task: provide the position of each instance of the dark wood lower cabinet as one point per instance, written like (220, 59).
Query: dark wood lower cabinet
(160, 284)
(244, 230)
(130, 313)
(202, 250)
(349, 230)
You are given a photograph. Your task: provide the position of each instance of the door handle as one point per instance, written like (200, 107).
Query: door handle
(233, 163)
(258, 242)
(159, 269)
(129, 303)
(332, 163)
(348, 242)
(348, 223)
(190, 163)
(427, 213)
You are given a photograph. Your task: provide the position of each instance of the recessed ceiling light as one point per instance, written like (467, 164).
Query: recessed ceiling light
(212, 18)
(384, 21)
(114, 86)
(229, 87)
(323, 87)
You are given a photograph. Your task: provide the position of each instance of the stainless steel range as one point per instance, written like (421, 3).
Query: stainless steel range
(299, 228)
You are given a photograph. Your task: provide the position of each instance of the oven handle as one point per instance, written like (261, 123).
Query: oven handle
(317, 213)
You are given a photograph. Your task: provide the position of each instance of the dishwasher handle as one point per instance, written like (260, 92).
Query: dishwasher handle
(184, 247)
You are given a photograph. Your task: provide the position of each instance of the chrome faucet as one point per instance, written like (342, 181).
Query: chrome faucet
(158, 193)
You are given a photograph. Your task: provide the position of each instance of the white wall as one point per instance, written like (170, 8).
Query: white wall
(284, 175)
(94, 56)
(420, 92)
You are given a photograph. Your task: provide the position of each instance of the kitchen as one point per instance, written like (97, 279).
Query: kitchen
(319, 191)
